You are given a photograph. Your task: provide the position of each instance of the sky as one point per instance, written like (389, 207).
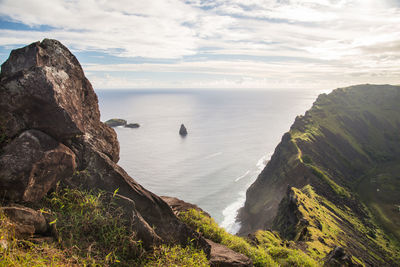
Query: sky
(233, 44)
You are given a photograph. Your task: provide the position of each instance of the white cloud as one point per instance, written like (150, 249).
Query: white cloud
(267, 41)
(124, 28)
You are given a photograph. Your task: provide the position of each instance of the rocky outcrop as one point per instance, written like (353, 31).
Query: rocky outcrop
(43, 87)
(182, 130)
(26, 221)
(31, 164)
(179, 205)
(51, 132)
(339, 257)
(222, 256)
(132, 125)
(116, 122)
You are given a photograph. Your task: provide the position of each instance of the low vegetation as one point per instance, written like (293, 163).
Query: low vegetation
(267, 249)
(90, 232)
(326, 226)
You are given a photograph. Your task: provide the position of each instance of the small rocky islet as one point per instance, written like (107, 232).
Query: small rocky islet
(121, 122)
(115, 122)
(182, 130)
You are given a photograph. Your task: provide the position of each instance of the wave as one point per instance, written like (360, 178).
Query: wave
(230, 212)
(213, 155)
(230, 224)
(262, 162)
(242, 176)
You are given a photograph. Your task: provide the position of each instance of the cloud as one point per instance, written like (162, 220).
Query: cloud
(124, 28)
(254, 42)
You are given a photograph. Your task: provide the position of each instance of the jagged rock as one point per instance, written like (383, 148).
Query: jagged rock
(253, 219)
(222, 256)
(144, 231)
(43, 87)
(104, 174)
(27, 220)
(132, 125)
(32, 164)
(338, 257)
(179, 206)
(116, 122)
(182, 130)
(288, 221)
(138, 224)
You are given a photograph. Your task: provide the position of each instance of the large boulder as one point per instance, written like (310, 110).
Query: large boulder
(139, 204)
(31, 164)
(50, 120)
(178, 205)
(26, 220)
(222, 256)
(43, 87)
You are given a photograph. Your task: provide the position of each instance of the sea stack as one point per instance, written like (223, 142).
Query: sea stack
(182, 130)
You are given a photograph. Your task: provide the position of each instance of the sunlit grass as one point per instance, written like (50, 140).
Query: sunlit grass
(267, 251)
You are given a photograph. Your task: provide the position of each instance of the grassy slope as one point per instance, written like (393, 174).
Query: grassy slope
(346, 146)
(379, 190)
(322, 225)
(366, 120)
(375, 113)
(264, 249)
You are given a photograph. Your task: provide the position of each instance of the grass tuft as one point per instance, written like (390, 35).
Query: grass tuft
(177, 256)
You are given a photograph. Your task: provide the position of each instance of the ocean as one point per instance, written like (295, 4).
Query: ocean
(231, 137)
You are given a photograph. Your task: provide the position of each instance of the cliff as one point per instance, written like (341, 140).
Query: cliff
(333, 179)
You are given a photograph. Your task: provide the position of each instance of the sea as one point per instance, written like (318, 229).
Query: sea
(231, 136)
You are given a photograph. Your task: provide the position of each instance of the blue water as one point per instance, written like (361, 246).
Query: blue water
(231, 136)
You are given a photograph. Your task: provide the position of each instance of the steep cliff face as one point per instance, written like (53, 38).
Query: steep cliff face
(347, 148)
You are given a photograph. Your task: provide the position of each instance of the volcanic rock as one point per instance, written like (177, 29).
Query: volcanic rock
(182, 130)
(339, 257)
(179, 205)
(32, 164)
(222, 256)
(50, 116)
(28, 221)
(43, 87)
(132, 125)
(116, 122)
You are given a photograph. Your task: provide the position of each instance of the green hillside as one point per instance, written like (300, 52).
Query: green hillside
(347, 148)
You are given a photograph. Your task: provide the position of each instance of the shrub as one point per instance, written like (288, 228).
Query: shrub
(92, 226)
